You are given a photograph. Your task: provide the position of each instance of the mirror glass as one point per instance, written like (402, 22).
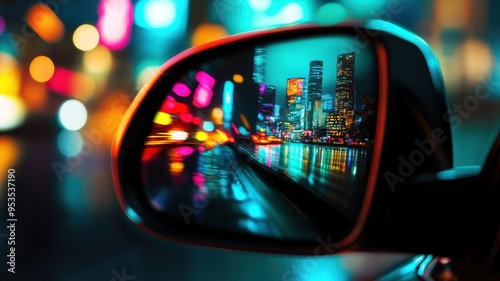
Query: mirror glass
(233, 126)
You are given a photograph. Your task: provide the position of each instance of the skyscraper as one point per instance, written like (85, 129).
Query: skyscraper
(344, 88)
(314, 93)
(265, 115)
(294, 105)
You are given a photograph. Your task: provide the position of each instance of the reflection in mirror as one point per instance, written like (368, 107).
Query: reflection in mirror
(303, 109)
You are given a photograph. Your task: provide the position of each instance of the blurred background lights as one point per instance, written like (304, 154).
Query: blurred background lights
(86, 37)
(145, 74)
(237, 78)
(70, 143)
(331, 13)
(10, 75)
(155, 13)
(45, 23)
(98, 60)
(41, 69)
(162, 118)
(259, 5)
(208, 32)
(291, 13)
(208, 126)
(12, 112)
(115, 23)
(477, 58)
(72, 115)
(364, 8)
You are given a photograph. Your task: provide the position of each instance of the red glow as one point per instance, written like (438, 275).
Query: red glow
(197, 120)
(67, 82)
(173, 107)
(181, 89)
(186, 117)
(150, 152)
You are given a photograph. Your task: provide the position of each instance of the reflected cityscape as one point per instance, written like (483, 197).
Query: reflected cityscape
(304, 109)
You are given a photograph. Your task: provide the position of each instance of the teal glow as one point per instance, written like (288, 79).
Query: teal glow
(154, 14)
(73, 195)
(259, 5)
(70, 143)
(364, 8)
(208, 126)
(227, 105)
(411, 266)
(331, 13)
(133, 216)
(424, 264)
(292, 12)
(255, 211)
(458, 172)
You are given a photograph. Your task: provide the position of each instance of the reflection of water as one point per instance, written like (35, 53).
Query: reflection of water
(338, 174)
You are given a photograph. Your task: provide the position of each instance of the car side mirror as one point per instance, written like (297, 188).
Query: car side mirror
(278, 140)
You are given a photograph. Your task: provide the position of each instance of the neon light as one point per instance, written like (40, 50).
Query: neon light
(72, 115)
(186, 117)
(205, 79)
(67, 82)
(162, 118)
(178, 135)
(45, 23)
(153, 14)
(184, 150)
(115, 23)
(202, 96)
(181, 89)
(208, 126)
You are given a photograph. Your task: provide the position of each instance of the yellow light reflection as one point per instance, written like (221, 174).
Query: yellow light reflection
(208, 32)
(217, 115)
(162, 118)
(45, 23)
(10, 76)
(42, 69)
(237, 78)
(201, 136)
(176, 167)
(221, 137)
(86, 37)
(98, 60)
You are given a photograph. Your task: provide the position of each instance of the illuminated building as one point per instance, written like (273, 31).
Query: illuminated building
(314, 93)
(335, 125)
(265, 115)
(294, 106)
(344, 88)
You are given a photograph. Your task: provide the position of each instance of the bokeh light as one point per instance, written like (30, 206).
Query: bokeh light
(71, 83)
(86, 37)
(45, 23)
(10, 75)
(331, 13)
(12, 112)
(72, 115)
(478, 60)
(146, 73)
(162, 118)
(98, 60)
(260, 5)
(208, 32)
(42, 69)
(115, 23)
(155, 13)
(70, 143)
(292, 12)
(364, 8)
(237, 78)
